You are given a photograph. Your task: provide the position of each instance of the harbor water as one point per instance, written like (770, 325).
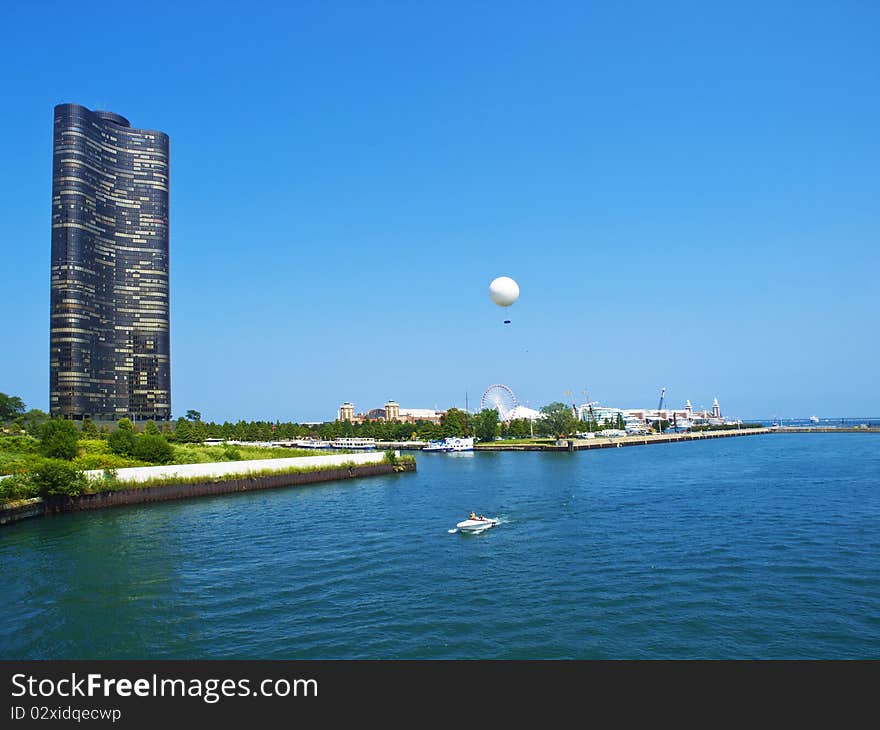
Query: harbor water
(761, 547)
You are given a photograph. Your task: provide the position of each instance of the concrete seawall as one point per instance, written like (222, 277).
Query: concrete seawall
(209, 488)
(21, 510)
(826, 429)
(227, 468)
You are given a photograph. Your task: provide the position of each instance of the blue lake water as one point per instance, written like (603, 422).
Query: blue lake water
(753, 547)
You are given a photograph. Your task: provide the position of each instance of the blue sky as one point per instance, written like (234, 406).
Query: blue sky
(685, 192)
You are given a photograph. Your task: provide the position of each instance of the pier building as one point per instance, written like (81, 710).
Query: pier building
(391, 412)
(683, 415)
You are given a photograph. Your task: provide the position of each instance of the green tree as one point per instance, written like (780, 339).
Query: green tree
(192, 415)
(150, 428)
(17, 486)
(519, 428)
(454, 423)
(402, 431)
(32, 420)
(53, 477)
(121, 442)
(89, 429)
(153, 448)
(58, 439)
(486, 424)
(558, 420)
(198, 431)
(183, 431)
(430, 431)
(125, 424)
(10, 407)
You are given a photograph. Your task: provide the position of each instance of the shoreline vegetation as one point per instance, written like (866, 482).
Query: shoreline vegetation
(26, 471)
(44, 457)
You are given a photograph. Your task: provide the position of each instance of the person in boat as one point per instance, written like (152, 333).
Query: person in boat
(472, 516)
(482, 518)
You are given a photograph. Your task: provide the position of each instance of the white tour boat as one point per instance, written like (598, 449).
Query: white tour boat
(356, 444)
(312, 444)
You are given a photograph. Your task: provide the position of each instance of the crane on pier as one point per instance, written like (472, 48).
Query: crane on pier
(574, 410)
(660, 408)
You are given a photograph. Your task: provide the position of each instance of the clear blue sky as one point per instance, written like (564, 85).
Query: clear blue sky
(686, 192)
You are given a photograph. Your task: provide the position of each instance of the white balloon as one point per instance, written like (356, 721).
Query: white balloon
(504, 291)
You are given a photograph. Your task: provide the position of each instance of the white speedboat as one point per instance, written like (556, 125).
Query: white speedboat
(451, 443)
(814, 419)
(477, 525)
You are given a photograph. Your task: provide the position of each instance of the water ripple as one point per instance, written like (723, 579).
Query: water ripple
(747, 548)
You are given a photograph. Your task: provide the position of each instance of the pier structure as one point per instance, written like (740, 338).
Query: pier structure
(574, 444)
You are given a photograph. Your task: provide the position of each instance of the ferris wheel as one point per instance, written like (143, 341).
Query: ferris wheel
(499, 397)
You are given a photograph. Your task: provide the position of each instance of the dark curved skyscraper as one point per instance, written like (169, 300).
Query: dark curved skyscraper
(109, 332)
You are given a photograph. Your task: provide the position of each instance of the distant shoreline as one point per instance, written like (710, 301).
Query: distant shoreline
(648, 439)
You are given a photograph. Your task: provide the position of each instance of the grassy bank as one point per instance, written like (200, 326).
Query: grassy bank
(42, 477)
(20, 454)
(35, 475)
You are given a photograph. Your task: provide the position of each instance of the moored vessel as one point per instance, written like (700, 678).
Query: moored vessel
(312, 444)
(451, 443)
(357, 444)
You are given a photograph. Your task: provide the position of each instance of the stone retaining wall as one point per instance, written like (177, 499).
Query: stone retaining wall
(142, 495)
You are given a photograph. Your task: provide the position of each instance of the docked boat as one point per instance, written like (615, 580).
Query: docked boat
(476, 524)
(312, 444)
(451, 443)
(355, 444)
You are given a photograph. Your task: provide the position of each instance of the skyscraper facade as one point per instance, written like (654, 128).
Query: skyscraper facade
(110, 352)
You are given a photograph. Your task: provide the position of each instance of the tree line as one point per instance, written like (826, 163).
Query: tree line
(558, 420)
